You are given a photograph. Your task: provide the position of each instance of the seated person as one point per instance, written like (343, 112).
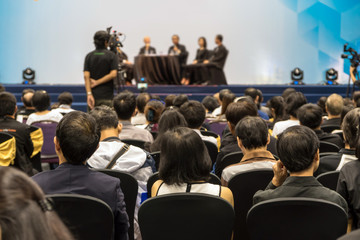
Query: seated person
(141, 100)
(125, 105)
(153, 110)
(41, 102)
(147, 49)
(350, 128)
(226, 100)
(277, 109)
(169, 100)
(65, 100)
(185, 166)
(194, 114)
(293, 102)
(219, 54)
(178, 50)
(257, 97)
(252, 137)
(310, 115)
(210, 103)
(24, 112)
(180, 100)
(220, 95)
(298, 149)
(334, 105)
(77, 138)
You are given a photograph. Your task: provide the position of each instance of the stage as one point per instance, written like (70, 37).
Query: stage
(312, 92)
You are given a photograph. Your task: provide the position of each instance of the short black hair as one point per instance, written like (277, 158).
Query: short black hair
(297, 147)
(65, 98)
(78, 136)
(180, 100)
(124, 104)
(105, 117)
(27, 101)
(222, 92)
(219, 37)
(194, 113)
(7, 104)
(287, 92)
(238, 110)
(350, 127)
(141, 100)
(153, 111)
(184, 157)
(41, 100)
(356, 98)
(310, 115)
(321, 103)
(293, 102)
(210, 103)
(169, 100)
(100, 38)
(252, 92)
(253, 132)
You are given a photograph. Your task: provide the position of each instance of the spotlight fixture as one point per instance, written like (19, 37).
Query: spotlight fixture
(28, 76)
(331, 76)
(297, 75)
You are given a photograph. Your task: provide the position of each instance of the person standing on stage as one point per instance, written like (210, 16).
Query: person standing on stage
(100, 69)
(219, 54)
(178, 50)
(147, 49)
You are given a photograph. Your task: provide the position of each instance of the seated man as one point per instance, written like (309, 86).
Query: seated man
(21, 132)
(65, 100)
(310, 115)
(141, 100)
(125, 105)
(257, 97)
(178, 50)
(298, 149)
(77, 138)
(147, 49)
(24, 112)
(219, 54)
(252, 137)
(334, 105)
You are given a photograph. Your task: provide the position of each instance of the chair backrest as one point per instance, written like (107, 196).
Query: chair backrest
(328, 147)
(7, 149)
(296, 218)
(324, 154)
(186, 216)
(243, 186)
(129, 187)
(330, 128)
(212, 150)
(218, 127)
(86, 217)
(227, 160)
(49, 131)
(134, 142)
(156, 157)
(329, 179)
(209, 133)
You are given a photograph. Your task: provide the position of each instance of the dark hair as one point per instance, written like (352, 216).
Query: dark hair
(350, 126)
(321, 103)
(124, 104)
(100, 38)
(356, 98)
(141, 100)
(219, 37)
(287, 92)
(238, 110)
(293, 102)
(228, 98)
(21, 214)
(346, 109)
(205, 43)
(194, 113)
(184, 157)
(169, 100)
(180, 100)
(7, 104)
(223, 92)
(348, 102)
(297, 147)
(65, 98)
(105, 117)
(210, 103)
(41, 100)
(153, 111)
(252, 92)
(27, 100)
(78, 136)
(278, 104)
(253, 132)
(310, 115)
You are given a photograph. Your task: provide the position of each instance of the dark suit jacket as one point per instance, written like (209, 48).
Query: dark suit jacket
(329, 137)
(152, 50)
(78, 179)
(219, 56)
(331, 122)
(183, 53)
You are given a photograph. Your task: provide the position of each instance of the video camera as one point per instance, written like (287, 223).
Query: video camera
(353, 56)
(114, 41)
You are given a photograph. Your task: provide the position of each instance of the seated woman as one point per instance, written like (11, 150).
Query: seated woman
(41, 102)
(153, 110)
(185, 166)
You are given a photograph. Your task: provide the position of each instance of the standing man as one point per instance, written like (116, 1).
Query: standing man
(219, 54)
(178, 49)
(100, 69)
(147, 49)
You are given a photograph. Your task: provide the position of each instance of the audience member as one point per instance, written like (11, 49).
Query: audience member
(334, 105)
(210, 103)
(65, 101)
(257, 97)
(141, 100)
(277, 109)
(180, 100)
(169, 100)
(153, 111)
(287, 92)
(321, 103)
(185, 166)
(252, 137)
(24, 111)
(298, 149)
(356, 98)
(217, 111)
(77, 138)
(226, 100)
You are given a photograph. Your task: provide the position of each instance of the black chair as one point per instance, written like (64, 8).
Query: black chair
(340, 134)
(156, 157)
(243, 186)
(86, 217)
(209, 134)
(324, 154)
(134, 142)
(330, 128)
(212, 150)
(213, 179)
(329, 179)
(129, 187)
(296, 218)
(186, 216)
(328, 147)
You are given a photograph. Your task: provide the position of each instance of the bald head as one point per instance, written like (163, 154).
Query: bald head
(147, 40)
(334, 105)
(26, 99)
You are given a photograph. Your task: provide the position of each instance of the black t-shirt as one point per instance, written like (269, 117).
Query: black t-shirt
(99, 63)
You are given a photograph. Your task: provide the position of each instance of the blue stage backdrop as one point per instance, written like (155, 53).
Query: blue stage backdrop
(266, 38)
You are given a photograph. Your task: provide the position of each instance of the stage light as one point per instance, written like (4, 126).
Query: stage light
(331, 76)
(297, 75)
(28, 76)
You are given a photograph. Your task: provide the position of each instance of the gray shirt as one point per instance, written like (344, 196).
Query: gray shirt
(129, 131)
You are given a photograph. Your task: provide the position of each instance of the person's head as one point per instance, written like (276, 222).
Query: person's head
(153, 110)
(356, 98)
(218, 39)
(277, 107)
(180, 100)
(293, 102)
(141, 100)
(7, 104)
(334, 104)
(310, 115)
(169, 100)
(226, 100)
(348, 102)
(194, 113)
(298, 149)
(222, 94)
(238, 110)
(287, 92)
(175, 39)
(124, 104)
(346, 109)
(321, 103)
(25, 212)
(2, 88)
(41, 100)
(252, 133)
(202, 42)
(77, 137)
(210, 103)
(350, 126)
(184, 157)
(26, 97)
(101, 39)
(171, 118)
(147, 40)
(105, 118)
(255, 94)
(65, 98)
